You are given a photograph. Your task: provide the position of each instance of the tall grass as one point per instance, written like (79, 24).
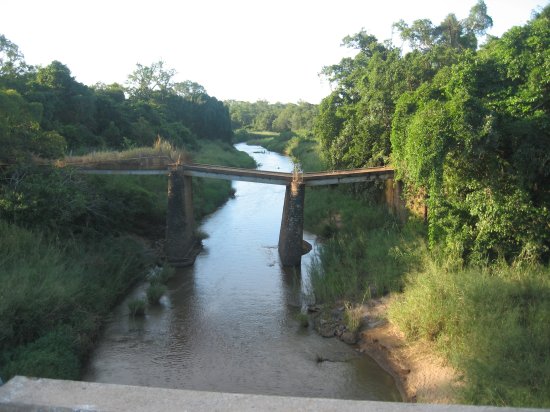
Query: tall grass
(54, 297)
(162, 149)
(492, 324)
(306, 151)
(366, 250)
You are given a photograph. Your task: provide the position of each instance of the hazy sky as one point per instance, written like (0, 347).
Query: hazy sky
(237, 49)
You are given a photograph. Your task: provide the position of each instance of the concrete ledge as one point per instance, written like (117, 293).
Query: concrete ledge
(37, 394)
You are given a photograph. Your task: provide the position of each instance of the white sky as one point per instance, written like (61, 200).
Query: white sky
(237, 49)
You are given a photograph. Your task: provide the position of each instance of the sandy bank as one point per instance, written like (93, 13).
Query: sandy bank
(420, 373)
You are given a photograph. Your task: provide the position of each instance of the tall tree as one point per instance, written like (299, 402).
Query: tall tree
(144, 81)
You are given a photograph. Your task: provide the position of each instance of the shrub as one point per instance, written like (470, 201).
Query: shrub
(136, 307)
(54, 355)
(155, 292)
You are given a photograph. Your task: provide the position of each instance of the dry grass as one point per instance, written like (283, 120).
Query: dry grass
(160, 155)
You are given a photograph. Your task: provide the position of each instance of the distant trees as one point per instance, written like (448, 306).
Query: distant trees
(277, 117)
(46, 111)
(470, 128)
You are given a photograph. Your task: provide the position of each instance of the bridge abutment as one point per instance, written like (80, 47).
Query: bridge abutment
(180, 224)
(292, 225)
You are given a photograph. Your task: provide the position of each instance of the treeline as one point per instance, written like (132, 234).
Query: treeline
(276, 117)
(467, 128)
(46, 111)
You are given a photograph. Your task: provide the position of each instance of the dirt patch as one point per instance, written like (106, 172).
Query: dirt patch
(421, 374)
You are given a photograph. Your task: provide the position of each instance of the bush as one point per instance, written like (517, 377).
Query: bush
(136, 307)
(161, 274)
(367, 252)
(155, 292)
(55, 355)
(52, 292)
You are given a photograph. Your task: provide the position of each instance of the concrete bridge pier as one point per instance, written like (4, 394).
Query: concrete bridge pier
(292, 225)
(180, 223)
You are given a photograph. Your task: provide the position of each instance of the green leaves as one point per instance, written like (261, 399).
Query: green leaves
(458, 124)
(474, 137)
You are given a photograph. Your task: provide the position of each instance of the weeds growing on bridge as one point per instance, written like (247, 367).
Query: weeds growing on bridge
(162, 151)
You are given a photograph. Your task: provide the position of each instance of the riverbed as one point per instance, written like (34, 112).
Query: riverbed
(229, 323)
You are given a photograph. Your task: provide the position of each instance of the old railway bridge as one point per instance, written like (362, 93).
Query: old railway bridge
(180, 223)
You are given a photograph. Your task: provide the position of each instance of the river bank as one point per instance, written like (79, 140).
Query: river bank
(231, 324)
(420, 373)
(70, 253)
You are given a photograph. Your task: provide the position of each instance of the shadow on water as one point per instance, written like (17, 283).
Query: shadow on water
(230, 322)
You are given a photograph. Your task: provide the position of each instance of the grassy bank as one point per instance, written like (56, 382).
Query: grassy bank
(365, 250)
(273, 141)
(491, 323)
(69, 252)
(54, 297)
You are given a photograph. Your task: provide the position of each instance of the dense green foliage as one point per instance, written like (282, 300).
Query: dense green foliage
(277, 117)
(46, 111)
(469, 128)
(54, 296)
(477, 138)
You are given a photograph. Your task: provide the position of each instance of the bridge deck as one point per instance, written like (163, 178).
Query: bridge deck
(263, 176)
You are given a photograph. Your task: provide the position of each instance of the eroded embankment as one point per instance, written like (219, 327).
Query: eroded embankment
(420, 373)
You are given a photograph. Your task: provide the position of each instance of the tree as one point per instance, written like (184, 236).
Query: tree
(20, 132)
(68, 106)
(451, 32)
(190, 90)
(476, 138)
(144, 81)
(12, 62)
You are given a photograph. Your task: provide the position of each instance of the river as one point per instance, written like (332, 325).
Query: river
(229, 322)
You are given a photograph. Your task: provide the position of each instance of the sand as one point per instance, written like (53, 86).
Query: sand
(420, 373)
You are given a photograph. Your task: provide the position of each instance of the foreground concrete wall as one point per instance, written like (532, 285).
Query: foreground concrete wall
(292, 225)
(28, 394)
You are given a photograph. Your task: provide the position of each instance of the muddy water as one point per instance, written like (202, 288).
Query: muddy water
(229, 322)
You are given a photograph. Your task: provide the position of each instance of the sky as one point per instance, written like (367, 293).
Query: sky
(237, 49)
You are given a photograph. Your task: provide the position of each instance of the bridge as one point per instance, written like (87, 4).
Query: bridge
(180, 223)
